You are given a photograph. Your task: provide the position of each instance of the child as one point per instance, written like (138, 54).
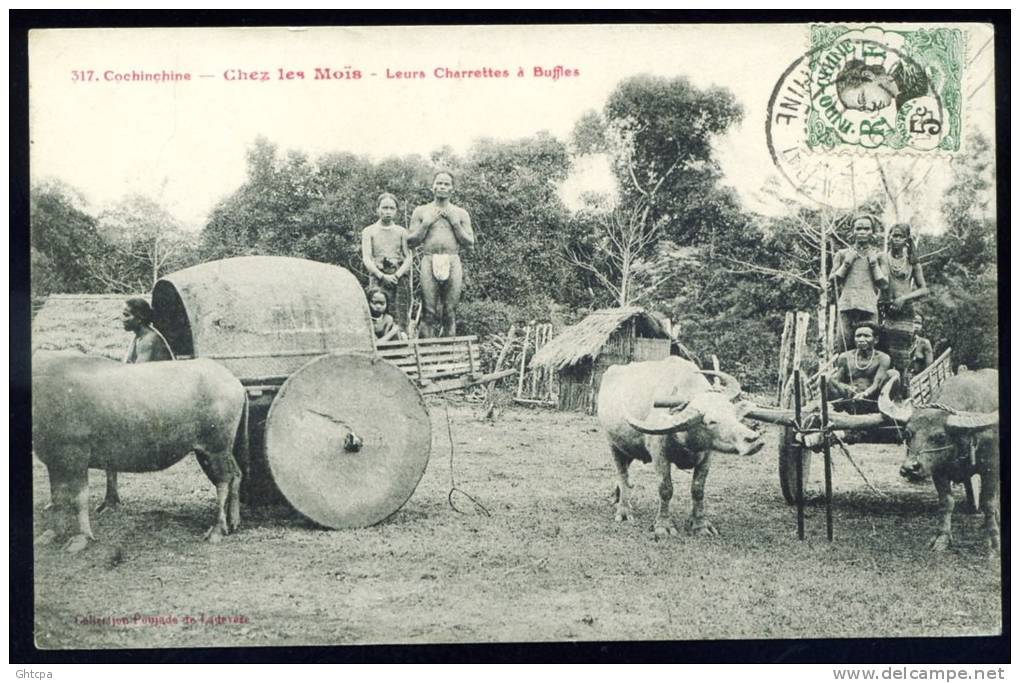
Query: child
(387, 258)
(382, 322)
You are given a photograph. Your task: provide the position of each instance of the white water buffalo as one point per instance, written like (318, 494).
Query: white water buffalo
(702, 421)
(91, 412)
(952, 439)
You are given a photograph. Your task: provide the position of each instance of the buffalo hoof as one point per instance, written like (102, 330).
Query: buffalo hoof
(623, 512)
(106, 505)
(46, 537)
(940, 542)
(77, 543)
(994, 544)
(214, 535)
(664, 528)
(701, 527)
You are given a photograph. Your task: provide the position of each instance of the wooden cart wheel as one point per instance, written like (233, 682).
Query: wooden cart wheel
(790, 450)
(347, 440)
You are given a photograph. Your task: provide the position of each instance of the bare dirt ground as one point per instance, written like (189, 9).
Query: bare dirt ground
(548, 564)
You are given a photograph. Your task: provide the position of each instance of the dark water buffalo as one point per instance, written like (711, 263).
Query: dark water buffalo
(703, 421)
(952, 439)
(91, 412)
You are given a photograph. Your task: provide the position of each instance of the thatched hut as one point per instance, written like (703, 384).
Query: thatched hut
(581, 353)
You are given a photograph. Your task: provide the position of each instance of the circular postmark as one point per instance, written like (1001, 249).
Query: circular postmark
(845, 111)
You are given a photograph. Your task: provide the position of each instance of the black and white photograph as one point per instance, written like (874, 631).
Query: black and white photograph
(461, 334)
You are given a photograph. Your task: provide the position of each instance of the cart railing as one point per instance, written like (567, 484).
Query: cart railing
(923, 386)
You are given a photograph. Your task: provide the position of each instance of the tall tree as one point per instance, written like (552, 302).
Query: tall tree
(64, 240)
(144, 242)
(657, 133)
(961, 264)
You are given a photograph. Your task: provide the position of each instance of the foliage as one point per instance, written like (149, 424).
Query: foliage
(64, 240)
(961, 264)
(658, 135)
(293, 206)
(144, 242)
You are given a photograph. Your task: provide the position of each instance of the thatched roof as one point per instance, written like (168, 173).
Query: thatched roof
(87, 322)
(585, 339)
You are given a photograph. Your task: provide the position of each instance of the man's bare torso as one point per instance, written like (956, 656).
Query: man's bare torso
(440, 238)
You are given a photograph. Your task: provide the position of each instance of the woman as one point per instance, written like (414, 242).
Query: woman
(906, 286)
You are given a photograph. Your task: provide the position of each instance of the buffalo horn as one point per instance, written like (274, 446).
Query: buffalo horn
(899, 411)
(848, 421)
(771, 415)
(966, 422)
(731, 387)
(682, 421)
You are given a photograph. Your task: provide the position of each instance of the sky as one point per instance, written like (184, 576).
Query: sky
(183, 143)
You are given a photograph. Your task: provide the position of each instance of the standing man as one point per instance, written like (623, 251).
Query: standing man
(860, 274)
(147, 345)
(443, 229)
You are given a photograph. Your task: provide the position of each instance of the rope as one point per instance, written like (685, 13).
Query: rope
(453, 483)
(846, 452)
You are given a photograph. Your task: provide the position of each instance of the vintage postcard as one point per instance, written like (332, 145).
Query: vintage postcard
(432, 334)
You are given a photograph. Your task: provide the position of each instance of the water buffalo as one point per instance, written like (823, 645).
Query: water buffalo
(91, 412)
(702, 421)
(952, 439)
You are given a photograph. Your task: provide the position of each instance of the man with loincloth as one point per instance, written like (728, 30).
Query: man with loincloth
(860, 274)
(860, 372)
(442, 229)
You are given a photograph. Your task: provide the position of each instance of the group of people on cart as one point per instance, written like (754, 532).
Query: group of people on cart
(878, 327)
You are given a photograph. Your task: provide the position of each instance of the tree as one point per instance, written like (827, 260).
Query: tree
(611, 249)
(961, 264)
(658, 134)
(144, 242)
(64, 240)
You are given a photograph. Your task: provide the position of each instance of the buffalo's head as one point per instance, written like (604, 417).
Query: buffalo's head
(935, 433)
(936, 436)
(709, 419)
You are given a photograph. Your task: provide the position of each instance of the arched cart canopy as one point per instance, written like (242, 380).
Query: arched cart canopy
(263, 317)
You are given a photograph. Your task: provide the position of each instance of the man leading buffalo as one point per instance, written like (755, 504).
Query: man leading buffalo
(442, 229)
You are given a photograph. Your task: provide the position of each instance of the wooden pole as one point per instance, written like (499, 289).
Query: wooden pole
(799, 465)
(524, 359)
(490, 389)
(784, 354)
(824, 386)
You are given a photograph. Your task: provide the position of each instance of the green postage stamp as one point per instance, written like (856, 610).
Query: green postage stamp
(876, 89)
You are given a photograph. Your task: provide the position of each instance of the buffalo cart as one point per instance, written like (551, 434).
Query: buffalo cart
(334, 429)
(803, 436)
(811, 423)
